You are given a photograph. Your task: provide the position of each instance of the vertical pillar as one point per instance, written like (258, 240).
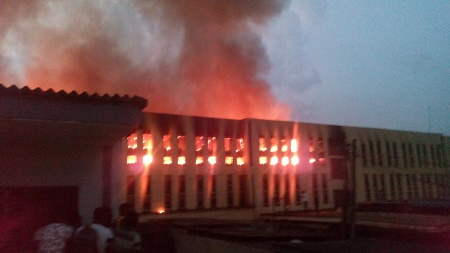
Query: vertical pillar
(106, 176)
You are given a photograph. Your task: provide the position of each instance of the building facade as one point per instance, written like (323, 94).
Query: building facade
(180, 163)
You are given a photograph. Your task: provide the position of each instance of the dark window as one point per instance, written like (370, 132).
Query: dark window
(287, 190)
(379, 155)
(411, 155)
(181, 192)
(408, 186)
(388, 154)
(200, 192)
(265, 182)
(382, 187)
(276, 190)
(131, 190)
(325, 188)
(372, 154)
(298, 191)
(404, 155)
(243, 192)
(363, 155)
(375, 187)
(392, 186)
(367, 187)
(315, 187)
(148, 195)
(213, 197)
(395, 154)
(167, 192)
(425, 155)
(400, 186)
(230, 190)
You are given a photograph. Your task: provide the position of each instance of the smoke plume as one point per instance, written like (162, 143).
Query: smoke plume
(202, 57)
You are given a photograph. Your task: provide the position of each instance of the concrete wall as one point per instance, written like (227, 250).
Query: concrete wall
(51, 165)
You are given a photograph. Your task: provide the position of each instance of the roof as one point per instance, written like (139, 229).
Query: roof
(37, 93)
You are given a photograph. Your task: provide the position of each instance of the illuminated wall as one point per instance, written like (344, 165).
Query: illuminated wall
(180, 163)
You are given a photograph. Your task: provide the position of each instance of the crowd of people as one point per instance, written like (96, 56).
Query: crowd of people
(104, 235)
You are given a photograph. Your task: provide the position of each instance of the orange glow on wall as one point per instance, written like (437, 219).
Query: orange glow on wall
(240, 161)
(161, 211)
(131, 159)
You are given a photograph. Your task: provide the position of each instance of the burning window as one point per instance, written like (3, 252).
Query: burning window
(132, 141)
(321, 151)
(312, 156)
(134, 149)
(167, 159)
(294, 146)
(228, 153)
(273, 145)
(284, 145)
(181, 150)
(199, 144)
(240, 151)
(288, 155)
(147, 143)
(212, 148)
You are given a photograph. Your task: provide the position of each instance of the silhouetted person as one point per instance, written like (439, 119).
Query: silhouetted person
(127, 239)
(53, 237)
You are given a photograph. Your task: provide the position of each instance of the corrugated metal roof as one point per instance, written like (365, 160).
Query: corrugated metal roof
(37, 93)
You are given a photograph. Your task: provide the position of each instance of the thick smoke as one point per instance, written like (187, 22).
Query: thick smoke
(200, 57)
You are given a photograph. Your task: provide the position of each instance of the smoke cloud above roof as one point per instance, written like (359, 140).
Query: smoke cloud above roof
(201, 57)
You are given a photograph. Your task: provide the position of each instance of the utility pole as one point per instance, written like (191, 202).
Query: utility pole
(352, 193)
(349, 203)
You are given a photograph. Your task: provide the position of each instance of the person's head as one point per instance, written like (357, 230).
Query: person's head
(130, 221)
(124, 208)
(103, 216)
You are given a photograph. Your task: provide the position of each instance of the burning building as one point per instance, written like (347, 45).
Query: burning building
(178, 163)
(70, 152)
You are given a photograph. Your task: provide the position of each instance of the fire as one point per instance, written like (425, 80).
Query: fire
(212, 160)
(147, 159)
